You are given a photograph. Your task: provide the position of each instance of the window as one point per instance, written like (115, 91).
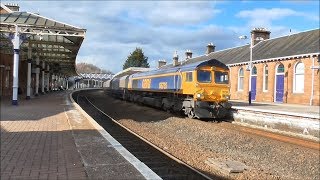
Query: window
(265, 78)
(204, 76)
(221, 77)
(298, 81)
(280, 69)
(189, 77)
(240, 79)
(254, 71)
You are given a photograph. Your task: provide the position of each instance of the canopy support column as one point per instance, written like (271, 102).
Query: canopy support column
(48, 78)
(29, 73)
(37, 75)
(42, 78)
(67, 79)
(16, 49)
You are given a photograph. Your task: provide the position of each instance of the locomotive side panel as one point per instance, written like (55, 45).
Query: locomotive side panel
(169, 83)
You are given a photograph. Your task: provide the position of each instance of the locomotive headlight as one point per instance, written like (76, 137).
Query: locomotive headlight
(199, 96)
(226, 96)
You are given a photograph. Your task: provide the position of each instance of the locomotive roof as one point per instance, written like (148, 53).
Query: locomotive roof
(182, 68)
(131, 70)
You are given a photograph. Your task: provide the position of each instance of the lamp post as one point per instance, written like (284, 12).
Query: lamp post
(249, 69)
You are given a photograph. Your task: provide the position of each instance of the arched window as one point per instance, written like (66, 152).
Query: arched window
(254, 71)
(265, 78)
(298, 81)
(280, 69)
(240, 79)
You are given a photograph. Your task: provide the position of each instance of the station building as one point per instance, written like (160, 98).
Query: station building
(284, 69)
(37, 53)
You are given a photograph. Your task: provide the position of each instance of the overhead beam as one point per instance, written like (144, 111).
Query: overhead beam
(36, 30)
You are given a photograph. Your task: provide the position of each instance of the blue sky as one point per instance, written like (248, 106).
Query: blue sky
(116, 28)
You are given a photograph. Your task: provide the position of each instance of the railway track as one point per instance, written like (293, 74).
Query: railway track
(162, 163)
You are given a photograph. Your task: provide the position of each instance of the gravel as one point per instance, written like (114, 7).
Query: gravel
(195, 141)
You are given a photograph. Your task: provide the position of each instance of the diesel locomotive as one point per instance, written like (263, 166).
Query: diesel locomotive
(199, 89)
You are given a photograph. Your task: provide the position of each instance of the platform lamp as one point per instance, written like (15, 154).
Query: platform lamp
(249, 68)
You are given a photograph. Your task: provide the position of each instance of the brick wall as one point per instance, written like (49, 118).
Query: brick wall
(289, 95)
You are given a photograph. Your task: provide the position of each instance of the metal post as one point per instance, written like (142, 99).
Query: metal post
(16, 49)
(67, 83)
(37, 76)
(58, 82)
(29, 73)
(15, 77)
(250, 71)
(42, 78)
(48, 78)
(2, 67)
(53, 82)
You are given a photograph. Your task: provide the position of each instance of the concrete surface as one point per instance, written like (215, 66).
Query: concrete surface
(290, 119)
(47, 138)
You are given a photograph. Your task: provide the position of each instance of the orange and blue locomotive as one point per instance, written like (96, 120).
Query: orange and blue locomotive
(199, 89)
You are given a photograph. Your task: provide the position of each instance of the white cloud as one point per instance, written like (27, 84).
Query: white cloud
(265, 17)
(114, 29)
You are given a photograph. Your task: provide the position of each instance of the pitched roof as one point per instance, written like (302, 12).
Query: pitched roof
(292, 45)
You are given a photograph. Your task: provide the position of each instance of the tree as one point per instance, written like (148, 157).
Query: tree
(90, 68)
(136, 59)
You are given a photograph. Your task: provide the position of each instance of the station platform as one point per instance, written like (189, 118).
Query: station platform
(279, 108)
(289, 119)
(48, 138)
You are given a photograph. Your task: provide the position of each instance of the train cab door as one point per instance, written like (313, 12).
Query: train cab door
(188, 82)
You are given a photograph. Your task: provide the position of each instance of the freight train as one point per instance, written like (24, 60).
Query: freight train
(199, 89)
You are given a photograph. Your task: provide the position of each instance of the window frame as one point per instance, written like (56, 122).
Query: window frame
(294, 90)
(225, 74)
(265, 78)
(188, 80)
(240, 77)
(206, 82)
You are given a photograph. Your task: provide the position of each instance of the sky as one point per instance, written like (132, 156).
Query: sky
(116, 28)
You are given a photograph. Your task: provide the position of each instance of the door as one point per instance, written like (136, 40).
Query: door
(253, 87)
(279, 88)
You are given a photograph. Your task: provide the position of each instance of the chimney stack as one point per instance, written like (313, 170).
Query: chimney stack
(210, 48)
(259, 34)
(188, 54)
(175, 59)
(161, 63)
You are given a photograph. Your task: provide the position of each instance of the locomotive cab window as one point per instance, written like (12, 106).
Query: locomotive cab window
(188, 76)
(204, 76)
(221, 77)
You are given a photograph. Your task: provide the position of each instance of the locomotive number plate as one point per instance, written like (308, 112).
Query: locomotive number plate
(163, 85)
(146, 83)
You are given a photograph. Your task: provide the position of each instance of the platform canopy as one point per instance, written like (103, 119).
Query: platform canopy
(54, 42)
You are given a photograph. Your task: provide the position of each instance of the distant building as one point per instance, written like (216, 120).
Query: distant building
(285, 69)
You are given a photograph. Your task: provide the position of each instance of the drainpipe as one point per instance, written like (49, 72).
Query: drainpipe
(312, 83)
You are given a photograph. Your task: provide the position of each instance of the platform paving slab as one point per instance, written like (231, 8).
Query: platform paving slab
(36, 141)
(47, 138)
